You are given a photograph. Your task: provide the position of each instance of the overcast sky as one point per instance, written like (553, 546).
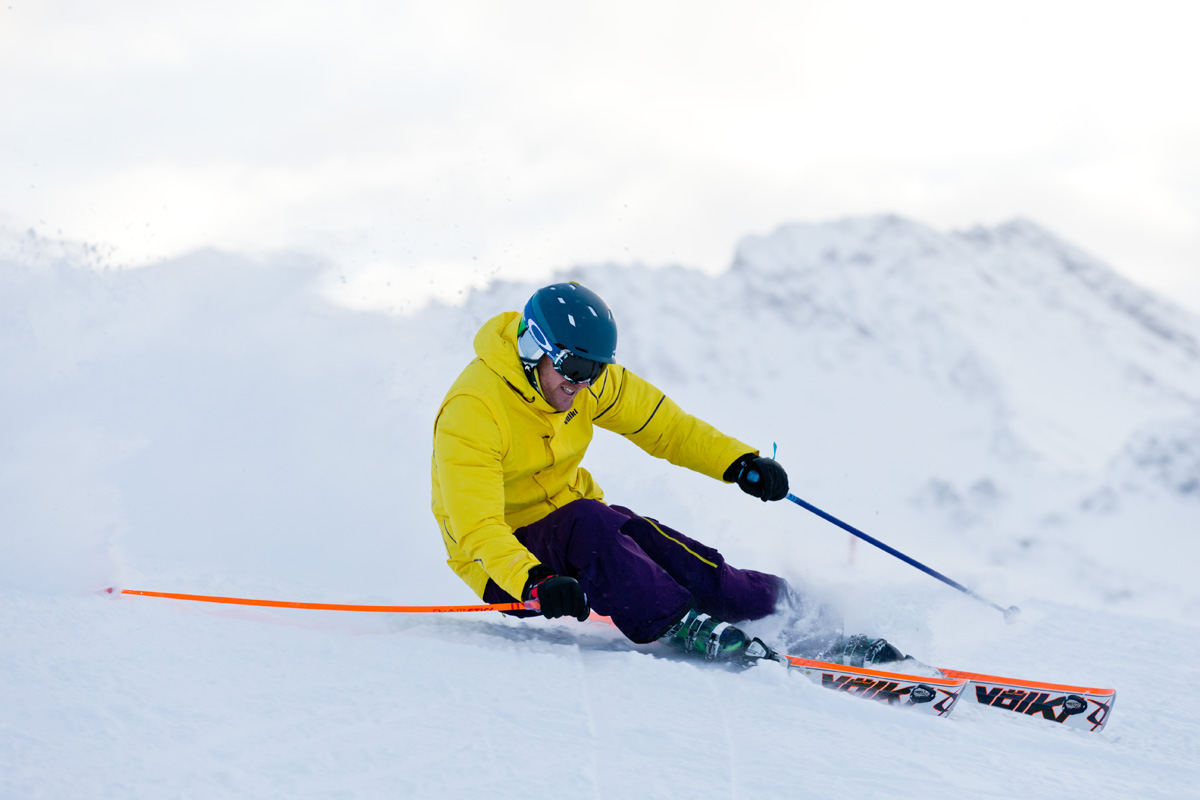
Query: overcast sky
(424, 147)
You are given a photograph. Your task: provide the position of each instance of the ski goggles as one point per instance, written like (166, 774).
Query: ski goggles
(576, 369)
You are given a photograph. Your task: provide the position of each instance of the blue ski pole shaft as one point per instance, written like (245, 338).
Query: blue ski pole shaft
(1010, 613)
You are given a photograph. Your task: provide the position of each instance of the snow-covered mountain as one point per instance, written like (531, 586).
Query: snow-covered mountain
(998, 384)
(994, 402)
(997, 392)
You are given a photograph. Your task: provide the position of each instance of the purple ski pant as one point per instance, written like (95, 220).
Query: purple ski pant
(639, 572)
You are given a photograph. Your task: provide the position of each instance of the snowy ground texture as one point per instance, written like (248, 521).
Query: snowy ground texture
(995, 403)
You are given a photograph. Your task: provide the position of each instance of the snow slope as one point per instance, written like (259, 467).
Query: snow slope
(993, 402)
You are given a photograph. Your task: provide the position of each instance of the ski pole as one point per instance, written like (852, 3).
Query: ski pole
(1010, 614)
(529, 605)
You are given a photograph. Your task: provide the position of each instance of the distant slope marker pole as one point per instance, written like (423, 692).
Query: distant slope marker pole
(243, 601)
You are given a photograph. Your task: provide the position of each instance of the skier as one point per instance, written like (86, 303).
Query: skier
(520, 518)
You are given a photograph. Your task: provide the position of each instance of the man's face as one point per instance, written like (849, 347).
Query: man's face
(558, 391)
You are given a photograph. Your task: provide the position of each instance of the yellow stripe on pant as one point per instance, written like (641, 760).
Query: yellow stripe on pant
(681, 544)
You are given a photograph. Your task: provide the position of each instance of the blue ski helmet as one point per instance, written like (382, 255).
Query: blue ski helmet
(572, 325)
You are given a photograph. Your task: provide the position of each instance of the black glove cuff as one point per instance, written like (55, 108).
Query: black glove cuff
(538, 574)
(735, 469)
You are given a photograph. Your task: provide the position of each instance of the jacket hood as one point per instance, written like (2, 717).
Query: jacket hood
(496, 346)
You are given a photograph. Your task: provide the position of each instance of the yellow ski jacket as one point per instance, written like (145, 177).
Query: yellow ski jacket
(504, 458)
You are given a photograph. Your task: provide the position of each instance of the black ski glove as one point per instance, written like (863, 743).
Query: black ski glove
(558, 595)
(759, 476)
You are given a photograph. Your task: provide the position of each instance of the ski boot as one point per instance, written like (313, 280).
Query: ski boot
(700, 634)
(861, 651)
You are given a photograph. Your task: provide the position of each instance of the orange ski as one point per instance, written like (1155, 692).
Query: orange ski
(927, 694)
(1080, 707)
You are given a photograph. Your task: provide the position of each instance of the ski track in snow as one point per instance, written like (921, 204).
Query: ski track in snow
(993, 403)
(138, 697)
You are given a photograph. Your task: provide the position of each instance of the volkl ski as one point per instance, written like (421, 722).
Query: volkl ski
(1079, 707)
(930, 695)
(1082, 707)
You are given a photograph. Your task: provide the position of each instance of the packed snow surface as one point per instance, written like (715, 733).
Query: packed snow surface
(995, 403)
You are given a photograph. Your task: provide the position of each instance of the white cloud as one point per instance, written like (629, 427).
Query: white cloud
(531, 135)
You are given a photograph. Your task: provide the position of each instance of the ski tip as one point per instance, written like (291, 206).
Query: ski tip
(1012, 614)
